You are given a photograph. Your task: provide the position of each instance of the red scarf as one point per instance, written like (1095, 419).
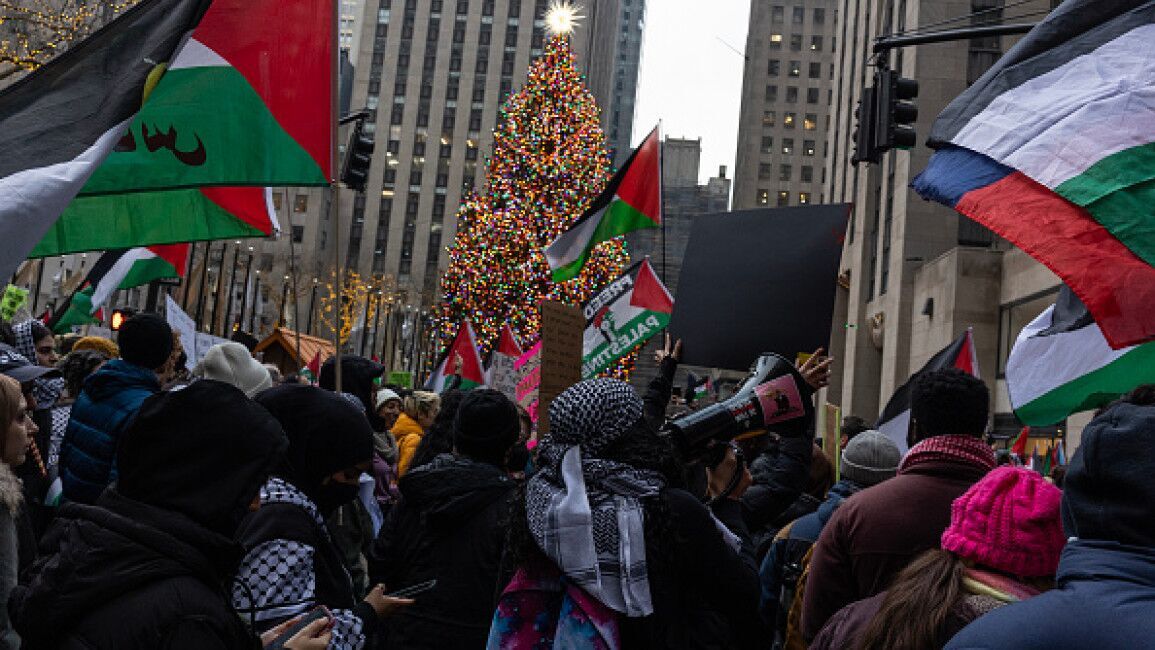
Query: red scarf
(966, 450)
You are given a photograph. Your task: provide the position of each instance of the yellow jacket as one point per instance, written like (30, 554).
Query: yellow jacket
(408, 434)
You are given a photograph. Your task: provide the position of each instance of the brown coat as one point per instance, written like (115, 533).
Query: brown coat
(877, 532)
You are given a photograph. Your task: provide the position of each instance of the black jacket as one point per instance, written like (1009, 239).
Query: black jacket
(124, 574)
(449, 526)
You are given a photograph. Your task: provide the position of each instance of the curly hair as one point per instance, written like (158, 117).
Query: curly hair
(439, 438)
(77, 366)
(949, 402)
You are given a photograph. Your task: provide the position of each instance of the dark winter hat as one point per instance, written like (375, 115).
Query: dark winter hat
(1108, 493)
(870, 458)
(486, 425)
(357, 375)
(202, 451)
(145, 340)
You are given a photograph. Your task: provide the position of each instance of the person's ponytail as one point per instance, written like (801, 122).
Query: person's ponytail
(914, 613)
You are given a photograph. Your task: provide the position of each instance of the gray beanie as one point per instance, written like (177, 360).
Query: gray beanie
(870, 458)
(231, 363)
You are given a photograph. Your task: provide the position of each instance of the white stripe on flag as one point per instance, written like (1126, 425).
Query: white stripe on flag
(1054, 126)
(570, 245)
(33, 199)
(111, 280)
(195, 54)
(896, 429)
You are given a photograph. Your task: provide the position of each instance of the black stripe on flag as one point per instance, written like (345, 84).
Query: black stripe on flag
(1075, 28)
(898, 408)
(1070, 314)
(95, 275)
(60, 110)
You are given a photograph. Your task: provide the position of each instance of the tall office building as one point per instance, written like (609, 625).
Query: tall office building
(786, 94)
(915, 274)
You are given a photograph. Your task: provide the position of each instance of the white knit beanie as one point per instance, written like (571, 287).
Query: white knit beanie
(231, 363)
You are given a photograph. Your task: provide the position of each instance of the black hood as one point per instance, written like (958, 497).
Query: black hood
(203, 451)
(357, 375)
(326, 434)
(450, 489)
(1108, 493)
(98, 553)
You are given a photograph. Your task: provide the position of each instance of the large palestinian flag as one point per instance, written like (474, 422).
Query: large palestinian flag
(631, 201)
(121, 269)
(461, 360)
(1061, 364)
(1054, 149)
(623, 316)
(894, 420)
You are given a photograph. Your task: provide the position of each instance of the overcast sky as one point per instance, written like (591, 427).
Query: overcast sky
(690, 77)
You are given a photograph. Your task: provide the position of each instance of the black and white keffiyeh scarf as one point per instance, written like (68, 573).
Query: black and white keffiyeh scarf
(586, 512)
(46, 391)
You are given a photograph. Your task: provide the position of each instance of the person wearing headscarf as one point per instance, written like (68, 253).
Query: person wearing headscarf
(643, 560)
(291, 564)
(358, 377)
(36, 343)
(450, 526)
(148, 565)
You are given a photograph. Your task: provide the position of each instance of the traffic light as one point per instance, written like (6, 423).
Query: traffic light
(864, 129)
(896, 112)
(119, 316)
(355, 174)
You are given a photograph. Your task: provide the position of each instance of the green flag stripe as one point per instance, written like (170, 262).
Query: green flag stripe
(146, 270)
(1091, 390)
(184, 137)
(618, 219)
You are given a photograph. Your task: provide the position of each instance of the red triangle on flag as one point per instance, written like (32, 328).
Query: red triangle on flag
(507, 345)
(315, 365)
(649, 292)
(174, 254)
(641, 186)
(462, 359)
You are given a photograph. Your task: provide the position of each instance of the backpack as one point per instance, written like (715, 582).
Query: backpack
(541, 608)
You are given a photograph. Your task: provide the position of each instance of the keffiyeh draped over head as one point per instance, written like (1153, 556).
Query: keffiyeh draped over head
(46, 390)
(585, 512)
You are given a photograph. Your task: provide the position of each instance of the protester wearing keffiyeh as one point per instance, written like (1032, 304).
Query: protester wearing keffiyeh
(586, 512)
(46, 391)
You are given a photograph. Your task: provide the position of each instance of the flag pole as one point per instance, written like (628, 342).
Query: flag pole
(296, 295)
(334, 191)
(662, 198)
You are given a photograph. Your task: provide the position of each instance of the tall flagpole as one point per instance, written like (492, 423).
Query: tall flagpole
(334, 190)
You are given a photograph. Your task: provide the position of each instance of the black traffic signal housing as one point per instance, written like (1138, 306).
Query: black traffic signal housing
(864, 118)
(896, 113)
(358, 157)
(119, 316)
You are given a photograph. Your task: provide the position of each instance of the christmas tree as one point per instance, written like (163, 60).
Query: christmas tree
(549, 162)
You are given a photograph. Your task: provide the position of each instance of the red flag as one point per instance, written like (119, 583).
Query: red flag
(507, 344)
(315, 365)
(1020, 446)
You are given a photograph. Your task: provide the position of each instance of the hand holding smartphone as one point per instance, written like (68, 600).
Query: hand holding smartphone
(305, 621)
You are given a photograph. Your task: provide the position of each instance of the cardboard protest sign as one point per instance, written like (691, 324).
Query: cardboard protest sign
(623, 316)
(758, 281)
(561, 354)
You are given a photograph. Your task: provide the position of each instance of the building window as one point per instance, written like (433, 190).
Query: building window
(765, 170)
(812, 95)
(301, 203)
(799, 15)
(788, 120)
(815, 43)
(777, 14)
(791, 94)
(762, 197)
(772, 68)
(806, 174)
(795, 68)
(808, 147)
(771, 93)
(803, 198)
(768, 118)
(298, 234)
(783, 199)
(819, 16)
(796, 42)
(785, 172)
(277, 201)
(767, 144)
(787, 146)
(810, 122)
(776, 41)
(815, 71)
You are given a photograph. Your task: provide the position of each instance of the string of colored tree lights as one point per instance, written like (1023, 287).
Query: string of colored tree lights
(549, 162)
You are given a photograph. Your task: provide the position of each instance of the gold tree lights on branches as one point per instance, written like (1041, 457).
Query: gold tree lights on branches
(549, 162)
(34, 31)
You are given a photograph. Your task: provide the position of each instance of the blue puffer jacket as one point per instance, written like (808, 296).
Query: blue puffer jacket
(1105, 600)
(111, 397)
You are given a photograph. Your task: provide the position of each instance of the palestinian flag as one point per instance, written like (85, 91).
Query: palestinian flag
(114, 270)
(461, 360)
(623, 316)
(895, 418)
(59, 123)
(1054, 149)
(631, 201)
(1061, 364)
(697, 388)
(312, 370)
(499, 372)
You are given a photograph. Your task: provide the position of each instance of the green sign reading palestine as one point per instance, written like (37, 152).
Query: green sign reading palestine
(623, 316)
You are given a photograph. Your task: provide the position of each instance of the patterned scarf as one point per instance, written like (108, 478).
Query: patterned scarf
(46, 391)
(1000, 587)
(965, 450)
(586, 512)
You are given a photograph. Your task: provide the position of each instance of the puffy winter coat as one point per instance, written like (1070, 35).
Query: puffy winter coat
(408, 434)
(1105, 600)
(449, 526)
(128, 575)
(111, 397)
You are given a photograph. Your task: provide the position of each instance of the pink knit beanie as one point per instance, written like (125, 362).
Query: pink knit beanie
(1008, 521)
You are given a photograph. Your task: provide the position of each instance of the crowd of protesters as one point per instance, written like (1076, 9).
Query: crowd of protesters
(146, 506)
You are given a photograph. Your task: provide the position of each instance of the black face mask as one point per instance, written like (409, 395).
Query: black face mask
(334, 495)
